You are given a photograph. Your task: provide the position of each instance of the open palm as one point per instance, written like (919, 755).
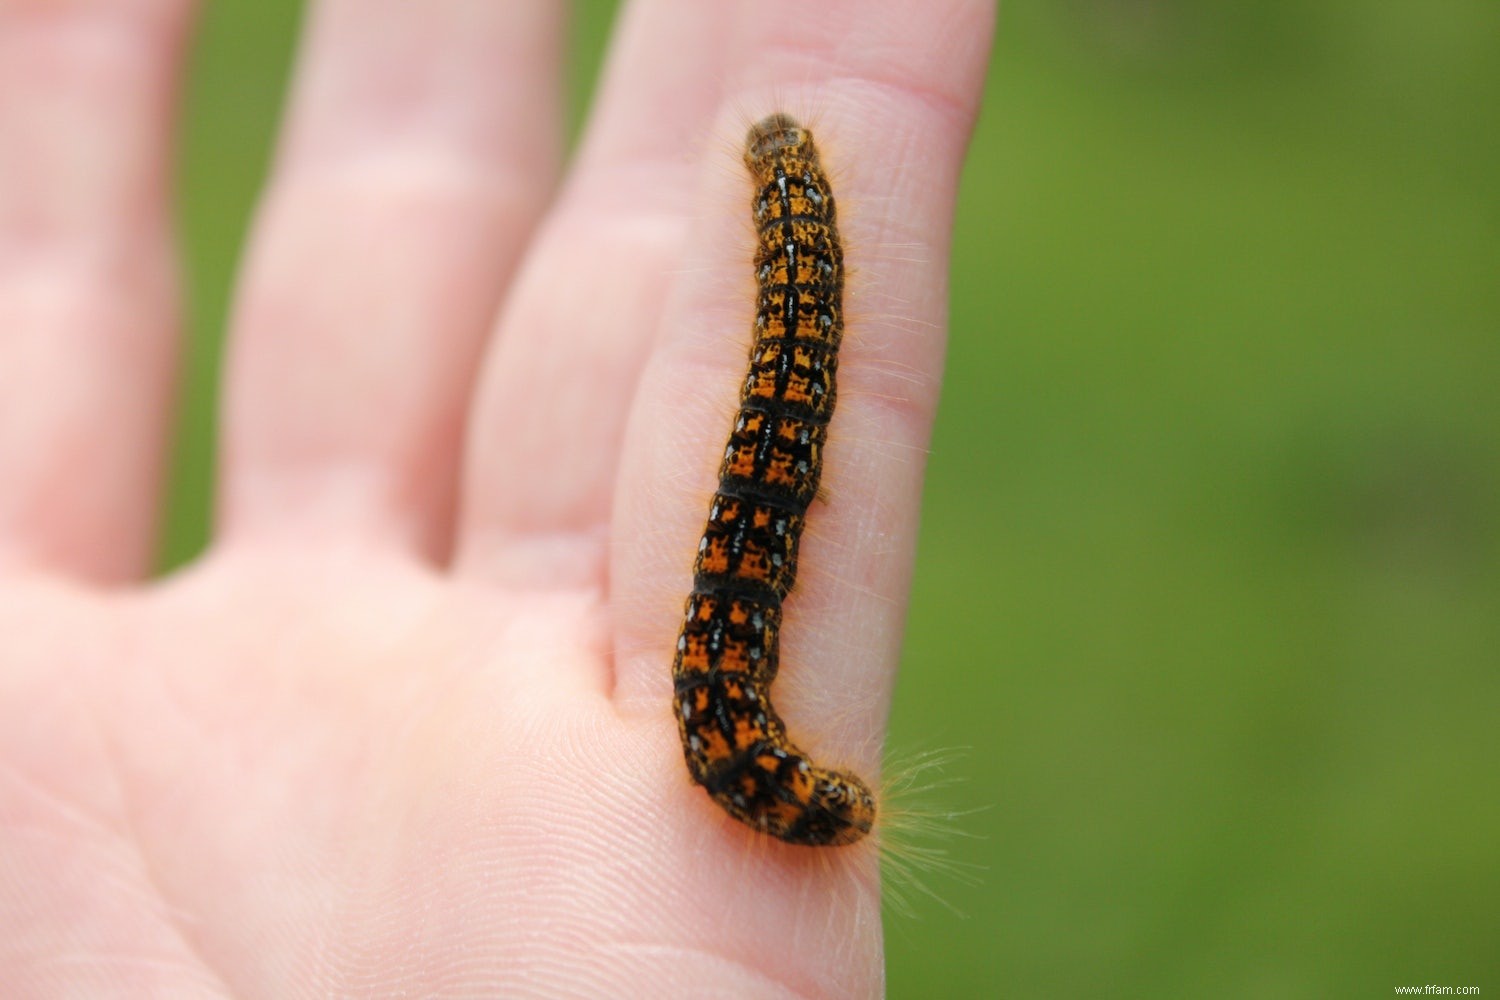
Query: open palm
(405, 729)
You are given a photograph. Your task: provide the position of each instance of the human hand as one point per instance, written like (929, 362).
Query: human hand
(405, 728)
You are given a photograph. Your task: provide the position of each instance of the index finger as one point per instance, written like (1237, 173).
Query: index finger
(892, 90)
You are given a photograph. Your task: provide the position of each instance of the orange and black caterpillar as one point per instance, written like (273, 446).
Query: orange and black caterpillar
(735, 743)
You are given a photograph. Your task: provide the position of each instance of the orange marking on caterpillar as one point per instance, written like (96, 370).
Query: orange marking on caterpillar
(727, 653)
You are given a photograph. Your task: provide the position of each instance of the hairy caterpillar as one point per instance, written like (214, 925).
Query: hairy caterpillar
(735, 743)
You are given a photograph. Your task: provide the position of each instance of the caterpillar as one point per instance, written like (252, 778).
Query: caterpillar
(735, 743)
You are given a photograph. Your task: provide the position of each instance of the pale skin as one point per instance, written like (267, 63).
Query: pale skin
(405, 728)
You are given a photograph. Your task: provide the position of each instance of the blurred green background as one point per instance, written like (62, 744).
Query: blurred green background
(1209, 589)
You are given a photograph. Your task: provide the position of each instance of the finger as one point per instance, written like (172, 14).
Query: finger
(549, 414)
(894, 88)
(421, 144)
(88, 290)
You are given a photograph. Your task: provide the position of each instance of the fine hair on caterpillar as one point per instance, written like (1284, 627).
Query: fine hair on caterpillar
(728, 652)
(915, 833)
(917, 828)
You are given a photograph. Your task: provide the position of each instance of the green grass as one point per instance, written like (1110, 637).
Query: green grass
(1208, 577)
(1208, 586)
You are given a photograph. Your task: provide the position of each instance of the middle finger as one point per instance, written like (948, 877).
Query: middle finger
(550, 410)
(421, 143)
